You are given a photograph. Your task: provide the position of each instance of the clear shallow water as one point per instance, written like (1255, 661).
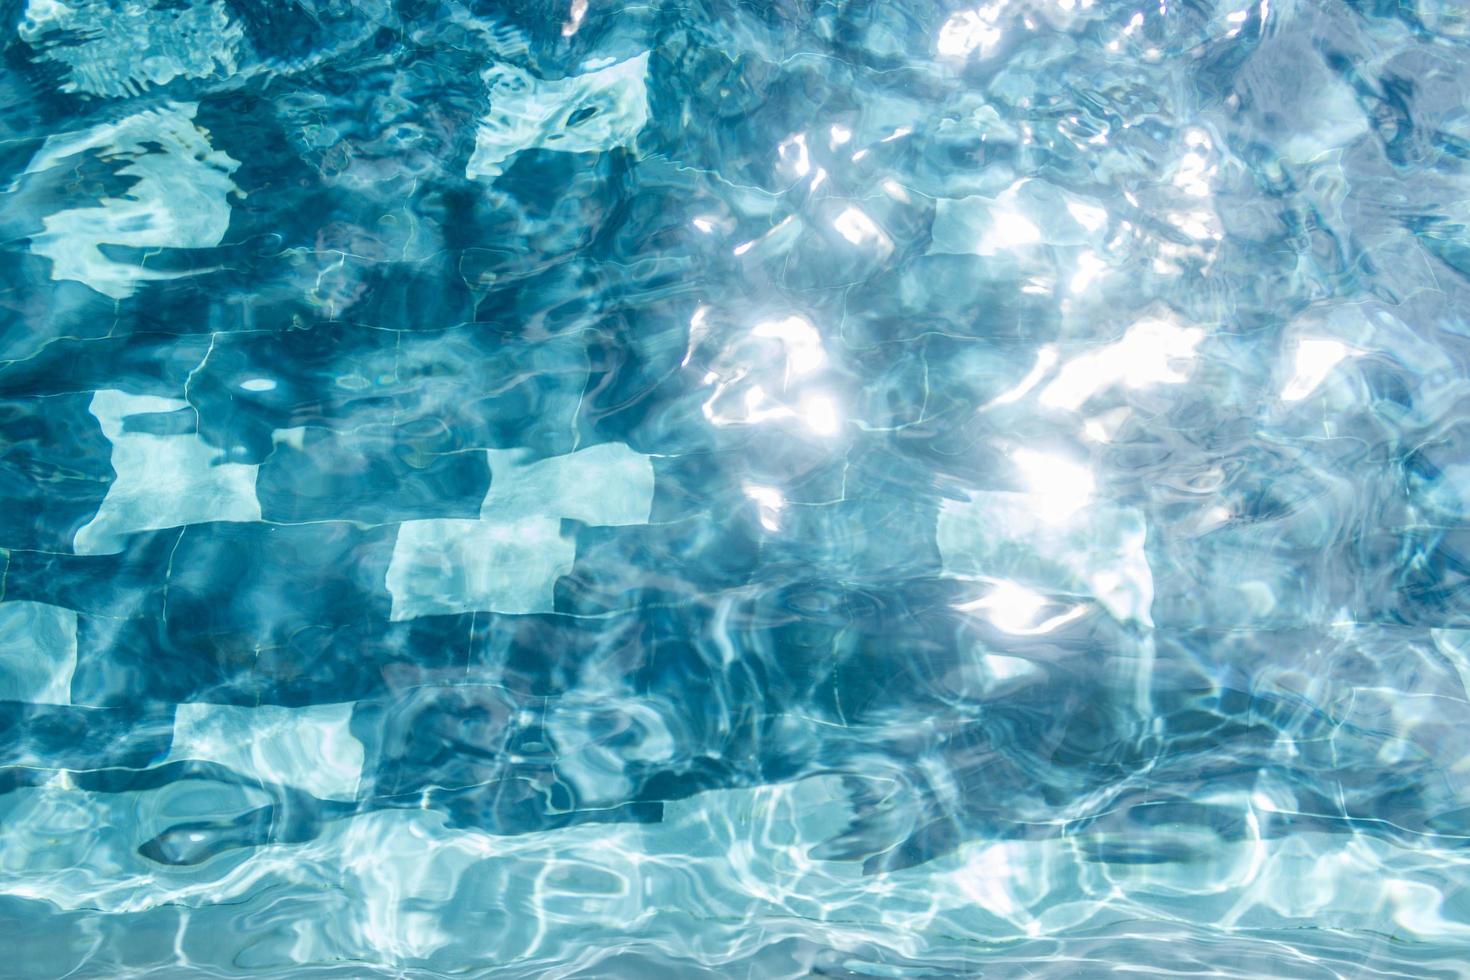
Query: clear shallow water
(766, 490)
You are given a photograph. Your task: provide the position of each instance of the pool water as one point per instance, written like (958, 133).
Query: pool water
(562, 489)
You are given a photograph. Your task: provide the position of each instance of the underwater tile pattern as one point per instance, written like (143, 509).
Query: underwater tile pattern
(845, 488)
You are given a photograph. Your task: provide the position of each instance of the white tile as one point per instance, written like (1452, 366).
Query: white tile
(116, 50)
(177, 199)
(309, 748)
(443, 567)
(528, 113)
(38, 652)
(162, 480)
(508, 561)
(605, 485)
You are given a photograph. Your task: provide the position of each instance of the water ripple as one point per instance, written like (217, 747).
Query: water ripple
(707, 490)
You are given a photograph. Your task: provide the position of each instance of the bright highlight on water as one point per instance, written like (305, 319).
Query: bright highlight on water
(807, 488)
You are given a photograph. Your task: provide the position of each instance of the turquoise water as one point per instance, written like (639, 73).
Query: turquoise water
(765, 490)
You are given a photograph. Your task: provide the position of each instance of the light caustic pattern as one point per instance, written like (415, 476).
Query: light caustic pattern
(867, 489)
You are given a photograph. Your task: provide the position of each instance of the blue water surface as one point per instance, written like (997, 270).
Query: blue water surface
(704, 489)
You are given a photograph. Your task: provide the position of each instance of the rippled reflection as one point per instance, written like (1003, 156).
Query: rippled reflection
(735, 490)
